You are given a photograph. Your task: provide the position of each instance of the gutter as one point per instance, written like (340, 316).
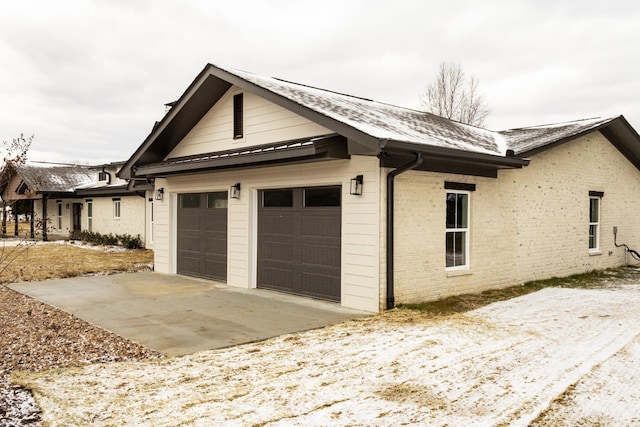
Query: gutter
(390, 225)
(107, 173)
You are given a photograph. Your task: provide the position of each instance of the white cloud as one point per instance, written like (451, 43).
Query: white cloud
(90, 78)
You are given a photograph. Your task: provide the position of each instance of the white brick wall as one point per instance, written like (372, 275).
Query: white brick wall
(132, 216)
(527, 224)
(551, 198)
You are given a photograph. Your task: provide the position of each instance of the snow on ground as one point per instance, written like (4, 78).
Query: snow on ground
(567, 356)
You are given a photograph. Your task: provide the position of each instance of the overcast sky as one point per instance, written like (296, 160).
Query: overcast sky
(89, 78)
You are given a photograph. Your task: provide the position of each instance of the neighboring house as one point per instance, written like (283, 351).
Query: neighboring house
(74, 198)
(271, 184)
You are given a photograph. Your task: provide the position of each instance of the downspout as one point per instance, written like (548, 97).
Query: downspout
(108, 174)
(390, 223)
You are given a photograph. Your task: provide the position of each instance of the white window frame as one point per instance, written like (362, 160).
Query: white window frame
(90, 215)
(151, 214)
(117, 209)
(466, 230)
(595, 225)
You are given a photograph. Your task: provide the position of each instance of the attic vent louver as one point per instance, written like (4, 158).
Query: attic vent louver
(238, 119)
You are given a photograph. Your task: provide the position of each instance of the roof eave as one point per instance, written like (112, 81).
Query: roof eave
(501, 162)
(164, 130)
(617, 130)
(560, 141)
(215, 82)
(107, 191)
(330, 148)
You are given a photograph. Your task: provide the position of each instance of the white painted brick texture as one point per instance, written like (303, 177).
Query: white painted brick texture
(525, 225)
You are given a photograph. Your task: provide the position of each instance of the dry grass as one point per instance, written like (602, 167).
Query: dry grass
(29, 262)
(467, 302)
(24, 228)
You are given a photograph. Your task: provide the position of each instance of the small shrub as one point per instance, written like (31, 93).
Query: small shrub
(130, 242)
(126, 240)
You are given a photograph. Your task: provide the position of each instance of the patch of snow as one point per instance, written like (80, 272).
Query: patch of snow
(502, 364)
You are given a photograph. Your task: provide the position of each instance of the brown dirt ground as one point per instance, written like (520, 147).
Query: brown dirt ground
(35, 336)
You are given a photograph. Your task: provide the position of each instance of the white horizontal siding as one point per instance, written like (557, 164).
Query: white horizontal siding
(360, 221)
(264, 123)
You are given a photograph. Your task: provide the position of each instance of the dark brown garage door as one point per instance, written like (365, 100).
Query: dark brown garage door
(202, 235)
(299, 241)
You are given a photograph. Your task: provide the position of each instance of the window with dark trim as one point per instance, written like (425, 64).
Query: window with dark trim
(322, 196)
(116, 208)
(59, 214)
(217, 201)
(450, 185)
(189, 201)
(277, 198)
(238, 116)
(457, 230)
(594, 221)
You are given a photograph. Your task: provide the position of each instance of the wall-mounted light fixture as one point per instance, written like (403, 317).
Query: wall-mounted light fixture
(234, 191)
(160, 193)
(356, 185)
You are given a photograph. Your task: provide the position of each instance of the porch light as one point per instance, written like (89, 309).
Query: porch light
(356, 185)
(234, 191)
(160, 193)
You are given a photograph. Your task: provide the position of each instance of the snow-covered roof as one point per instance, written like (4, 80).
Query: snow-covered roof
(374, 126)
(529, 139)
(381, 120)
(55, 178)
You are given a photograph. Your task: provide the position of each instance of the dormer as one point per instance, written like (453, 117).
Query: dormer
(23, 188)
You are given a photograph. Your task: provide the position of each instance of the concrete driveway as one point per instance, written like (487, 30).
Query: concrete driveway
(179, 315)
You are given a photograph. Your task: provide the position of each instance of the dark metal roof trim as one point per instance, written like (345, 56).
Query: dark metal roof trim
(459, 155)
(120, 190)
(321, 148)
(450, 185)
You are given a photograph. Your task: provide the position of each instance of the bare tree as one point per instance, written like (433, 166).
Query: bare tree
(452, 96)
(14, 154)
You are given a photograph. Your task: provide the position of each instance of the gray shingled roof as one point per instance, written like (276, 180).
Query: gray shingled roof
(375, 126)
(383, 121)
(524, 141)
(55, 179)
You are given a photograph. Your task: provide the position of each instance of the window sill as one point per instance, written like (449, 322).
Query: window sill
(457, 273)
(595, 253)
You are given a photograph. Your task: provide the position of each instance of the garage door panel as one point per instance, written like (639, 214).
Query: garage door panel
(216, 225)
(279, 251)
(202, 235)
(320, 286)
(190, 243)
(190, 265)
(216, 268)
(321, 225)
(215, 245)
(319, 255)
(280, 224)
(276, 278)
(299, 247)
